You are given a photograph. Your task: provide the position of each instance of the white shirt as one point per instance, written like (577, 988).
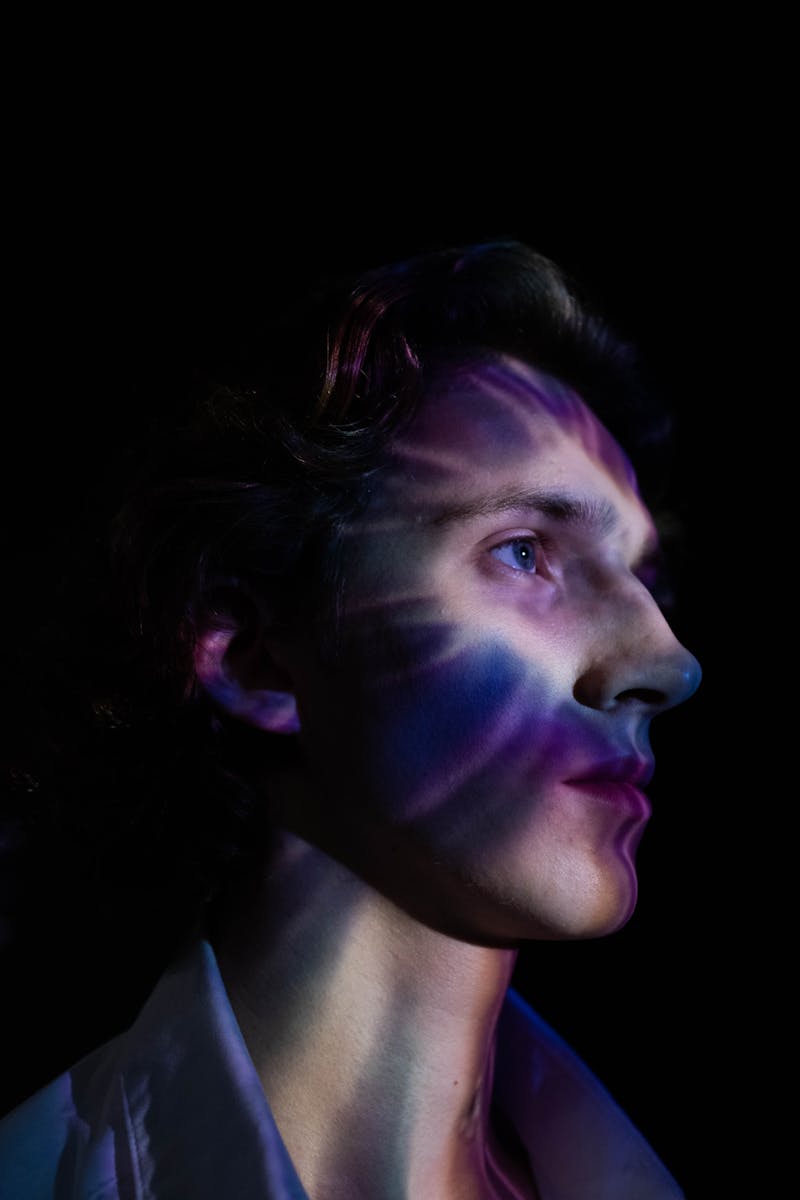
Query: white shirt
(173, 1109)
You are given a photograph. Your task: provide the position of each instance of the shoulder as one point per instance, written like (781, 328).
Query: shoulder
(32, 1140)
(579, 1140)
(60, 1135)
(174, 1097)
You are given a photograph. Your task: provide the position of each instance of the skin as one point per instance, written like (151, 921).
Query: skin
(471, 777)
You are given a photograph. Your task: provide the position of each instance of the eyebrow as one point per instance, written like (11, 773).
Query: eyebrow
(588, 512)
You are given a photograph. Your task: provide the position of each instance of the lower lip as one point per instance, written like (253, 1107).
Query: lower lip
(623, 797)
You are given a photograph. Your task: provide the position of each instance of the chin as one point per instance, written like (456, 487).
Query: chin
(603, 894)
(612, 910)
(589, 908)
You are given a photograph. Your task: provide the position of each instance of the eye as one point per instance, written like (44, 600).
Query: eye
(520, 553)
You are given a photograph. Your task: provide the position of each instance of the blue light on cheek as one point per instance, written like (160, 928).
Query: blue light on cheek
(439, 715)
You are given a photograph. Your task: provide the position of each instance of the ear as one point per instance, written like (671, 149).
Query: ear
(237, 668)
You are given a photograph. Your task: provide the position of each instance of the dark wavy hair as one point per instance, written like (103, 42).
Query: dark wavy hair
(127, 772)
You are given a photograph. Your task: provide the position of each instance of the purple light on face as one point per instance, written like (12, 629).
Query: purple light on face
(475, 692)
(508, 391)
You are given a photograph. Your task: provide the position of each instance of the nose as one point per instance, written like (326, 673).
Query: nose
(638, 663)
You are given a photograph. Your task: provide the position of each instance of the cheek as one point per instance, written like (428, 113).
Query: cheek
(442, 727)
(451, 750)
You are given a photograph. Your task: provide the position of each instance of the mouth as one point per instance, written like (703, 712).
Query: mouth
(617, 783)
(617, 794)
(632, 770)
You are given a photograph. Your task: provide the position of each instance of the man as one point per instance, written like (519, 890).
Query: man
(407, 583)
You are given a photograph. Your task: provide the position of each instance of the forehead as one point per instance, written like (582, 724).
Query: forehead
(488, 429)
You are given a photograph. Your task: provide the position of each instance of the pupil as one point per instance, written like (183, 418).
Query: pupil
(523, 554)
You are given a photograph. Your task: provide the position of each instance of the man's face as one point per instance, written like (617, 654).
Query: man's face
(480, 747)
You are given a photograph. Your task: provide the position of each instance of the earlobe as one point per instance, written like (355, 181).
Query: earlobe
(244, 682)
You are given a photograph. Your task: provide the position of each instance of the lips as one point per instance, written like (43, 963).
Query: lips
(617, 783)
(631, 769)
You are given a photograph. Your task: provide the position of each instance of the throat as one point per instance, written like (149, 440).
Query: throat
(374, 1043)
(380, 1114)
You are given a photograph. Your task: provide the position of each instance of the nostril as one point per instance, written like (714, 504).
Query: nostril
(643, 695)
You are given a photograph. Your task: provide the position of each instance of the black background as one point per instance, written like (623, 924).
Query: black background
(136, 258)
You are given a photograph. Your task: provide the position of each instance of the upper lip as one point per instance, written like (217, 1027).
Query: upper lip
(631, 768)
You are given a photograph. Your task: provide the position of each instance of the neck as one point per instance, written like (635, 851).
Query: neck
(372, 1033)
